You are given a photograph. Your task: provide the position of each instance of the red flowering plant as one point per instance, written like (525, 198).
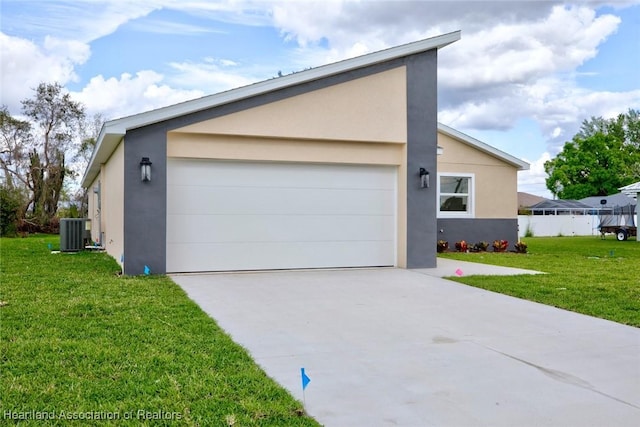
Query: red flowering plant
(500, 245)
(462, 246)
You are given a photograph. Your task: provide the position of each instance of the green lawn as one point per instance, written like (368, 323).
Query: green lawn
(586, 274)
(78, 340)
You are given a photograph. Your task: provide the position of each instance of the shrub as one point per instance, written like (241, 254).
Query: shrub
(480, 247)
(462, 246)
(500, 245)
(521, 247)
(442, 246)
(10, 204)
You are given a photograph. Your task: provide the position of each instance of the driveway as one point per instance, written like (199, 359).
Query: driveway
(403, 347)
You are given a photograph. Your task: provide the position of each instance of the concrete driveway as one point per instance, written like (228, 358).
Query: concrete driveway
(402, 347)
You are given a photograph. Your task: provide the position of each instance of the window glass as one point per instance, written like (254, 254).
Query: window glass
(454, 184)
(453, 203)
(455, 194)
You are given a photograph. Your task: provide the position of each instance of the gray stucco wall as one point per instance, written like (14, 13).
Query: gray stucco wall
(422, 142)
(477, 230)
(145, 203)
(145, 210)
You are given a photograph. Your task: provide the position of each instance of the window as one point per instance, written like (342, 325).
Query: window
(455, 195)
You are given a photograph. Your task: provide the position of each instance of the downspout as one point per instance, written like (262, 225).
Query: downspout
(98, 192)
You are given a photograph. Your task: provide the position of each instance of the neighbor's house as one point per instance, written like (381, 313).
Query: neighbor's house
(315, 169)
(633, 191)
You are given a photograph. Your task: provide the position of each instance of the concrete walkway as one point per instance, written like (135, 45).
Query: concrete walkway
(399, 347)
(452, 267)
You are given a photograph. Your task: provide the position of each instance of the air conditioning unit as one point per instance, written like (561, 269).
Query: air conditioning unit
(72, 233)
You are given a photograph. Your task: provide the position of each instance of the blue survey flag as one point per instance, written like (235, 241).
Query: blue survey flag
(49, 246)
(147, 270)
(305, 379)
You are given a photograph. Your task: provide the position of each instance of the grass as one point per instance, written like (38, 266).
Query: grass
(80, 341)
(587, 275)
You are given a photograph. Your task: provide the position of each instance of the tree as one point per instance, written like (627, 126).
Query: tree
(11, 203)
(15, 136)
(33, 152)
(602, 157)
(57, 118)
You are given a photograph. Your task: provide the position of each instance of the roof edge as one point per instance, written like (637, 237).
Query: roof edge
(118, 127)
(631, 190)
(482, 146)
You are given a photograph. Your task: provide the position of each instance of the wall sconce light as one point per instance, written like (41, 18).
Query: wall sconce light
(145, 169)
(424, 178)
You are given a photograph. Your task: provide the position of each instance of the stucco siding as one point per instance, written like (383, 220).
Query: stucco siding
(112, 212)
(93, 212)
(370, 108)
(477, 230)
(422, 126)
(359, 121)
(230, 147)
(496, 193)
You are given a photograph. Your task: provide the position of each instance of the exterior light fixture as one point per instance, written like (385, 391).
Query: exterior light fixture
(145, 169)
(424, 178)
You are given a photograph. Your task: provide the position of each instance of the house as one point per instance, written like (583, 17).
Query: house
(526, 200)
(334, 166)
(607, 203)
(632, 191)
(477, 190)
(561, 207)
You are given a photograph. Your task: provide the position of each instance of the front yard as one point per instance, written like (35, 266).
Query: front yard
(80, 342)
(586, 274)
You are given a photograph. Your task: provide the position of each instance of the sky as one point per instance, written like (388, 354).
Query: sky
(522, 78)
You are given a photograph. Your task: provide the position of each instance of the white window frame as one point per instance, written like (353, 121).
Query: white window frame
(471, 203)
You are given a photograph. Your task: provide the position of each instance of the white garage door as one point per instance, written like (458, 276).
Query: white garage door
(258, 215)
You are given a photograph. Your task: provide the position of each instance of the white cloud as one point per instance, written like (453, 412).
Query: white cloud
(82, 20)
(522, 52)
(533, 180)
(511, 59)
(560, 114)
(228, 63)
(158, 26)
(212, 76)
(130, 94)
(25, 65)
(515, 60)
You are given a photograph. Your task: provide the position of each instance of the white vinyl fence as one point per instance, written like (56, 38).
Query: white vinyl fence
(556, 225)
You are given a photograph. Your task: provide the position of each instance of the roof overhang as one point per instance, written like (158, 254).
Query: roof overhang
(113, 131)
(631, 190)
(486, 148)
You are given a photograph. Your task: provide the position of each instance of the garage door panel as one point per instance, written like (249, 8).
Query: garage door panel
(253, 215)
(275, 201)
(187, 172)
(273, 255)
(282, 228)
